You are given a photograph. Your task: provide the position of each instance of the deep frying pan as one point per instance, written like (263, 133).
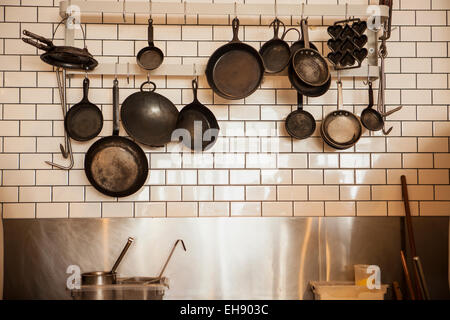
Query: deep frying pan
(275, 52)
(150, 57)
(341, 129)
(61, 56)
(310, 67)
(84, 120)
(114, 165)
(235, 70)
(299, 85)
(300, 124)
(371, 118)
(202, 129)
(149, 117)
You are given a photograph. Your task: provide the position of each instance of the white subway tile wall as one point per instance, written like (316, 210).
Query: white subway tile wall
(255, 169)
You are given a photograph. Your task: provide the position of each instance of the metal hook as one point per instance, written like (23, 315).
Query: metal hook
(275, 9)
(115, 71)
(148, 77)
(346, 10)
(368, 77)
(235, 9)
(124, 11)
(150, 5)
(128, 73)
(184, 11)
(303, 10)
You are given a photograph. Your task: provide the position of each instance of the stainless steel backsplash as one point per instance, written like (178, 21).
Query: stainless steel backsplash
(226, 258)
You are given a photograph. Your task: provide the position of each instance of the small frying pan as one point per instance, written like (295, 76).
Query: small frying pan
(115, 165)
(308, 64)
(150, 57)
(200, 123)
(371, 118)
(275, 52)
(341, 129)
(235, 70)
(84, 120)
(300, 124)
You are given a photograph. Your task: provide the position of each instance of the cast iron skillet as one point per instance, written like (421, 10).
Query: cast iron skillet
(300, 124)
(149, 117)
(114, 165)
(235, 70)
(300, 86)
(61, 56)
(202, 129)
(150, 57)
(275, 52)
(310, 67)
(84, 120)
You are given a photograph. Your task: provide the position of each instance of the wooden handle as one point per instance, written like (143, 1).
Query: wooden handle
(397, 291)
(407, 276)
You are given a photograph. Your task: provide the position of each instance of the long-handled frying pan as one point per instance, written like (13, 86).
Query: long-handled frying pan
(84, 120)
(235, 70)
(114, 165)
(150, 57)
(200, 124)
(300, 124)
(308, 64)
(276, 53)
(341, 129)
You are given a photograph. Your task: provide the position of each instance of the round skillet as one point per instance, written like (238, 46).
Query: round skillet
(150, 57)
(308, 64)
(149, 117)
(199, 122)
(275, 52)
(84, 120)
(235, 70)
(115, 165)
(300, 124)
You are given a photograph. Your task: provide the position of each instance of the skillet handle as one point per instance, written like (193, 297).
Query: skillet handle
(85, 88)
(150, 33)
(37, 37)
(116, 108)
(340, 100)
(299, 101)
(304, 26)
(235, 26)
(36, 44)
(370, 95)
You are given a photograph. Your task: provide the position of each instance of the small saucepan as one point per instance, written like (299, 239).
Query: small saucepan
(275, 52)
(105, 277)
(371, 118)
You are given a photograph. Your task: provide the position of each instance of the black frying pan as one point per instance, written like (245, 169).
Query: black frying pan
(61, 56)
(150, 57)
(202, 129)
(235, 70)
(275, 52)
(310, 67)
(115, 165)
(149, 117)
(300, 124)
(371, 118)
(84, 120)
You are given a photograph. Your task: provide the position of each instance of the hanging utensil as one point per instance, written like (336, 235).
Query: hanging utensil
(66, 57)
(67, 150)
(150, 57)
(300, 124)
(105, 277)
(201, 125)
(84, 120)
(275, 52)
(115, 165)
(341, 129)
(371, 118)
(149, 117)
(310, 67)
(235, 70)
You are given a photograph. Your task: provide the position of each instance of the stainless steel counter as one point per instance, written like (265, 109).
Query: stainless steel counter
(226, 258)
